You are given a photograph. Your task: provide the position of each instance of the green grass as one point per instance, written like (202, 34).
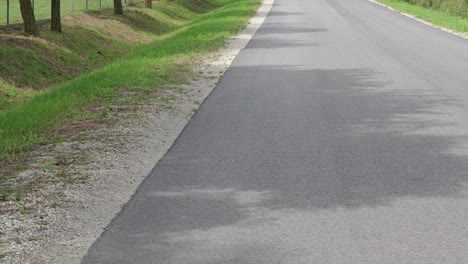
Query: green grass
(42, 222)
(10, 94)
(8, 191)
(454, 7)
(434, 16)
(71, 7)
(88, 42)
(42, 8)
(25, 125)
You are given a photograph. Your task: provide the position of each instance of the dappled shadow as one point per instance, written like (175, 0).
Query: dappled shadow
(274, 43)
(282, 13)
(288, 30)
(373, 137)
(278, 152)
(264, 40)
(138, 21)
(197, 6)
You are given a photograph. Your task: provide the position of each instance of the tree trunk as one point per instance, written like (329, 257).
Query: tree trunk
(29, 21)
(118, 9)
(149, 4)
(55, 21)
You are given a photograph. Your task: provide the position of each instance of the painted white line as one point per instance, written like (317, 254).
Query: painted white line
(456, 33)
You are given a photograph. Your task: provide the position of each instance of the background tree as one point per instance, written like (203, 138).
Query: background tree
(149, 4)
(29, 21)
(55, 21)
(118, 8)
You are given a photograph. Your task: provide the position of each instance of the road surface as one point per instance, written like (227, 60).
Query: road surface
(339, 135)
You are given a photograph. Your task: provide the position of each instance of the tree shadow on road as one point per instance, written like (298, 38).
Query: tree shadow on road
(260, 159)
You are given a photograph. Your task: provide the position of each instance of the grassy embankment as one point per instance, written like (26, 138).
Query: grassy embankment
(451, 14)
(191, 28)
(28, 65)
(42, 8)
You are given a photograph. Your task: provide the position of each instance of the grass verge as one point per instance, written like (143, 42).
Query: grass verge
(90, 40)
(42, 8)
(436, 17)
(26, 124)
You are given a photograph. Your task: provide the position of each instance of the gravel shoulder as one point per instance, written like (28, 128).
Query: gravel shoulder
(61, 221)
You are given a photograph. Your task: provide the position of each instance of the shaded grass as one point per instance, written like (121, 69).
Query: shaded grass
(173, 11)
(436, 17)
(24, 125)
(42, 8)
(36, 63)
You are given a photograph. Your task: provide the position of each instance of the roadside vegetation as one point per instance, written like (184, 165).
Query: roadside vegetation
(62, 87)
(451, 14)
(454, 7)
(101, 59)
(89, 40)
(42, 9)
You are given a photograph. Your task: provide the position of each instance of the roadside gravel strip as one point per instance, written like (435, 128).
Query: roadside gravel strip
(456, 33)
(63, 228)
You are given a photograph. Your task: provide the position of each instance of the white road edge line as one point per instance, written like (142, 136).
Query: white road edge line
(453, 32)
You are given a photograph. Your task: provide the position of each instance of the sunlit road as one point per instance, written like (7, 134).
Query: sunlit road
(338, 136)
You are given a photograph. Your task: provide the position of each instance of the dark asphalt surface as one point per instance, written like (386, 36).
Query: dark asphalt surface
(339, 135)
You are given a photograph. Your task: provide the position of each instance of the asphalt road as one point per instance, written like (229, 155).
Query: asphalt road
(339, 135)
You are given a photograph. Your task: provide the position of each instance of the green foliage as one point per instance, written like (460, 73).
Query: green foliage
(23, 125)
(88, 42)
(42, 8)
(454, 7)
(452, 14)
(7, 192)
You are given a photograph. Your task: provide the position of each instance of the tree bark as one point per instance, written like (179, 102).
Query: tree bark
(149, 4)
(55, 21)
(118, 8)
(29, 21)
